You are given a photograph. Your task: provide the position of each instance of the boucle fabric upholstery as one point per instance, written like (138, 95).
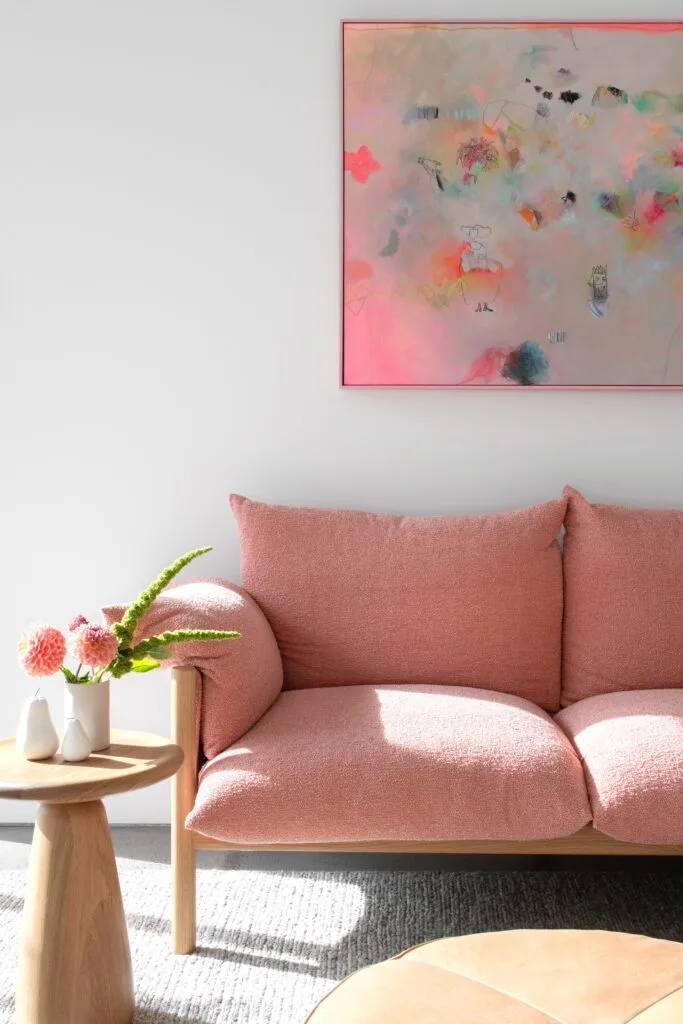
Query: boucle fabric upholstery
(240, 678)
(357, 763)
(517, 977)
(623, 615)
(631, 745)
(359, 598)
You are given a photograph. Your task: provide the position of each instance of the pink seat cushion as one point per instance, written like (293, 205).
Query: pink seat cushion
(359, 598)
(240, 678)
(345, 764)
(623, 615)
(631, 745)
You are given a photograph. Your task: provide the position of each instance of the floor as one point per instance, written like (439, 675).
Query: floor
(278, 931)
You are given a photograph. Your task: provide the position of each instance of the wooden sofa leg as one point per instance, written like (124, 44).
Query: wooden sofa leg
(185, 684)
(183, 866)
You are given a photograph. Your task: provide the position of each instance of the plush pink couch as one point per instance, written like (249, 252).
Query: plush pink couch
(433, 683)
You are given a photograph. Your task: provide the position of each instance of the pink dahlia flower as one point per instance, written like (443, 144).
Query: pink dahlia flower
(93, 645)
(41, 650)
(78, 620)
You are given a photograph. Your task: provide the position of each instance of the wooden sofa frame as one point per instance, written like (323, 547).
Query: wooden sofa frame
(185, 694)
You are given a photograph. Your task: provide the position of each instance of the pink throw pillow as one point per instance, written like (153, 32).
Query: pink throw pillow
(623, 614)
(361, 598)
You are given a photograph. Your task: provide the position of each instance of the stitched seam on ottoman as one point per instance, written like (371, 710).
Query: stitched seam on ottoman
(485, 984)
(650, 1005)
(511, 995)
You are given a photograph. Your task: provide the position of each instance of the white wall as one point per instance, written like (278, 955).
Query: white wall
(169, 250)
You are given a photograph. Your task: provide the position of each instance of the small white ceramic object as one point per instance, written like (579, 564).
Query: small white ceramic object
(37, 737)
(75, 742)
(89, 703)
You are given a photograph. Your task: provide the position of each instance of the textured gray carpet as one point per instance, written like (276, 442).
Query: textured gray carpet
(272, 943)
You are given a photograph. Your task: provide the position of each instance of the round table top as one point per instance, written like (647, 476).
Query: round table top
(133, 760)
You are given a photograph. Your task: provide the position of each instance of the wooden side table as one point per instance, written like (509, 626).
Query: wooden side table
(75, 965)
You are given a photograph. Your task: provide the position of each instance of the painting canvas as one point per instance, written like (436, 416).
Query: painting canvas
(513, 204)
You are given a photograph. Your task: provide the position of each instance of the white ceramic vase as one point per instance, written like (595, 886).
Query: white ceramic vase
(37, 737)
(75, 742)
(89, 703)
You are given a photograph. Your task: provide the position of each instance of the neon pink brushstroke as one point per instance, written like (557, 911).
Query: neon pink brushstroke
(361, 164)
(654, 212)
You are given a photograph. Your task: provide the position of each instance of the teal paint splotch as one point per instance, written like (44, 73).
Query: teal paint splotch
(510, 184)
(526, 364)
(453, 189)
(391, 248)
(664, 104)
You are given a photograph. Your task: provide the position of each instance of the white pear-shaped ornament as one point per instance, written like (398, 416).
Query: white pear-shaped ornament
(75, 742)
(37, 737)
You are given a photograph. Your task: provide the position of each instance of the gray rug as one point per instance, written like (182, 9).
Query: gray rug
(271, 944)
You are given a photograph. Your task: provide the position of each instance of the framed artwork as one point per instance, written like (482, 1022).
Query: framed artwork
(512, 204)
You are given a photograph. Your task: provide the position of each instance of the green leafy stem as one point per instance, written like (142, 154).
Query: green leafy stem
(125, 629)
(147, 654)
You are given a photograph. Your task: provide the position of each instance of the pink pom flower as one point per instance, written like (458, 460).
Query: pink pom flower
(41, 650)
(93, 645)
(78, 620)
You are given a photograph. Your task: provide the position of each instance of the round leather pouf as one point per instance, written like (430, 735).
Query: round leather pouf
(517, 977)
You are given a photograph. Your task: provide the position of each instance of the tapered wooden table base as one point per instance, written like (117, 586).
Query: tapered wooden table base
(75, 965)
(75, 961)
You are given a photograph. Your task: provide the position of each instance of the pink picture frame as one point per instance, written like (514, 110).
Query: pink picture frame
(511, 215)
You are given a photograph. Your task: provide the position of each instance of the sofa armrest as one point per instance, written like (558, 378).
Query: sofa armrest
(240, 679)
(186, 698)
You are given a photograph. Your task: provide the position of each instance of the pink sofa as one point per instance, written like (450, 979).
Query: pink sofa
(433, 683)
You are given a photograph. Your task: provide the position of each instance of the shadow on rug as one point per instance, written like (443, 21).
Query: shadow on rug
(271, 944)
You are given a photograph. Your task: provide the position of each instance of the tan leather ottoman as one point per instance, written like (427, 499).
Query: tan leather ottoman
(517, 977)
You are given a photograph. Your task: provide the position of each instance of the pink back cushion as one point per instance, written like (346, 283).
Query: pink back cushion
(623, 619)
(359, 598)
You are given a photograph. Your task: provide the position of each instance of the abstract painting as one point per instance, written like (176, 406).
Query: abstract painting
(512, 204)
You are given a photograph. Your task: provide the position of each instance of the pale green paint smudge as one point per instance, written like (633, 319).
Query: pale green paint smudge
(542, 282)
(538, 55)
